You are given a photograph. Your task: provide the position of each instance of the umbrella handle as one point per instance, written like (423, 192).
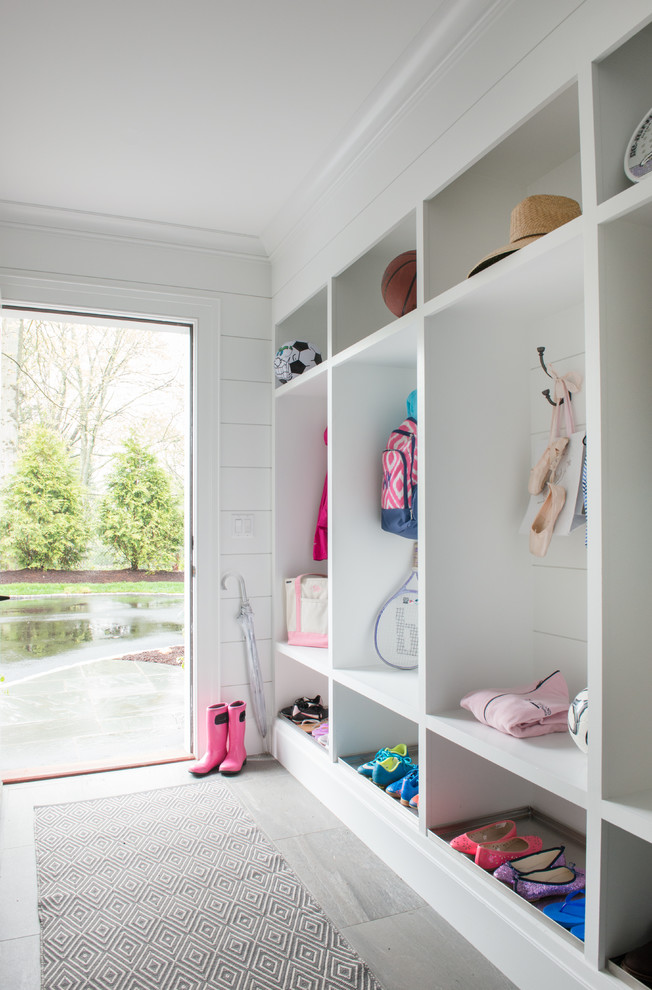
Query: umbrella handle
(240, 579)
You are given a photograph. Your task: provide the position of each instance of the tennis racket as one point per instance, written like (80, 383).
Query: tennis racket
(396, 633)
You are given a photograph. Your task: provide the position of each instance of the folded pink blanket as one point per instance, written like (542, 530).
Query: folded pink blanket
(525, 711)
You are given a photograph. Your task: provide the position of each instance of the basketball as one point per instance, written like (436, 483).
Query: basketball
(399, 285)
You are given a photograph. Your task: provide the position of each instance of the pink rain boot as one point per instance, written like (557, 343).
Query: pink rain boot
(217, 727)
(237, 756)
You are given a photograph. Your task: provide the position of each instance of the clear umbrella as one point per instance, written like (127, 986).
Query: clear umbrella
(245, 619)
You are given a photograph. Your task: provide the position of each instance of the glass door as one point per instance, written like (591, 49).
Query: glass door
(95, 497)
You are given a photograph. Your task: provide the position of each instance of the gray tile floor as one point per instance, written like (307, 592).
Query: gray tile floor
(108, 709)
(405, 943)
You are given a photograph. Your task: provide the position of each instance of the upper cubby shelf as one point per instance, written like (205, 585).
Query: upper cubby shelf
(394, 345)
(312, 384)
(308, 323)
(545, 277)
(470, 218)
(358, 306)
(623, 96)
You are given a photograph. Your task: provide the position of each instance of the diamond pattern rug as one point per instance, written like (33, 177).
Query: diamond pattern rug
(177, 889)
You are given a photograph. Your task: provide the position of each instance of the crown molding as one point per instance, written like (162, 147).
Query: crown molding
(82, 223)
(448, 35)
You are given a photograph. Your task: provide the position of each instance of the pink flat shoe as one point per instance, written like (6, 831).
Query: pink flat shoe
(490, 855)
(468, 841)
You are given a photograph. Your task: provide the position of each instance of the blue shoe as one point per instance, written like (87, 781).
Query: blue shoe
(391, 769)
(409, 786)
(367, 769)
(394, 789)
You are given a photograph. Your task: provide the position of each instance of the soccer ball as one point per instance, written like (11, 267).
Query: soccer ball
(578, 720)
(294, 358)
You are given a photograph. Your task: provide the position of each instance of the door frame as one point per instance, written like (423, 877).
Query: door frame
(202, 565)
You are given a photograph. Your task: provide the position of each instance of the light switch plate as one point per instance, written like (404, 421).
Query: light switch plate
(242, 526)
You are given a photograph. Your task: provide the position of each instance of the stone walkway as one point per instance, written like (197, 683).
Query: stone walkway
(107, 710)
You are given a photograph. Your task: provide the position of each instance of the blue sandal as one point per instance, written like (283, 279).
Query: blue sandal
(569, 912)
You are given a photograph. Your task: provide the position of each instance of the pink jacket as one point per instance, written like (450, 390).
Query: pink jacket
(320, 545)
(524, 711)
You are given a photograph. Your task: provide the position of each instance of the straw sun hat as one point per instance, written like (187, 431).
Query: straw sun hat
(531, 219)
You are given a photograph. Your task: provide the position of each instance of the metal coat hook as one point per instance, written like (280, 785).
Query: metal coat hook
(546, 391)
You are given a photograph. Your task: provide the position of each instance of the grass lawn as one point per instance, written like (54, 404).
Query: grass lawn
(112, 587)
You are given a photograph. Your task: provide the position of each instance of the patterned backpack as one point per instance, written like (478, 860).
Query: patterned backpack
(398, 505)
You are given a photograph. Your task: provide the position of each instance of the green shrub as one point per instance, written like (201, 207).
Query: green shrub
(139, 517)
(45, 519)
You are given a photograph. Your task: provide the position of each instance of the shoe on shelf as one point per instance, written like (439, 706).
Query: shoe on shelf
(300, 703)
(394, 789)
(578, 931)
(544, 469)
(556, 881)
(414, 801)
(393, 768)
(569, 912)
(526, 864)
(638, 963)
(306, 712)
(410, 787)
(367, 769)
(490, 855)
(468, 841)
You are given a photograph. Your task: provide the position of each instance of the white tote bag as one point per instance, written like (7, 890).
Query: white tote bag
(306, 604)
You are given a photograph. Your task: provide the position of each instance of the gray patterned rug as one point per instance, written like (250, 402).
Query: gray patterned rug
(177, 889)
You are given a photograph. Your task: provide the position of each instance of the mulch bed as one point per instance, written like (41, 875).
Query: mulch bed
(85, 577)
(171, 655)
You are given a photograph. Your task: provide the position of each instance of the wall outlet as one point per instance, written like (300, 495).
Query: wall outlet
(242, 526)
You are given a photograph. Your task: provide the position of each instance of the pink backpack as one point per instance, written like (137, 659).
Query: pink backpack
(398, 505)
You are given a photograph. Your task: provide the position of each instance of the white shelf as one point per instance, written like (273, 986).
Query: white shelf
(393, 689)
(547, 276)
(552, 761)
(293, 736)
(394, 345)
(315, 658)
(632, 813)
(312, 384)
(390, 808)
(637, 198)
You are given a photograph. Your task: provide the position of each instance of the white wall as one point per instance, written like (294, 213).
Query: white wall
(47, 257)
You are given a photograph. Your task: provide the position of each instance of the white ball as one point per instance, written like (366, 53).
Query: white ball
(294, 358)
(578, 720)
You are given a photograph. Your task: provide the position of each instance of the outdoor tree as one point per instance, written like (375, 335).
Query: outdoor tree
(90, 384)
(139, 517)
(45, 521)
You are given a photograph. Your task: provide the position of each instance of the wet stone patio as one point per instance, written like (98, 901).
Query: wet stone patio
(107, 711)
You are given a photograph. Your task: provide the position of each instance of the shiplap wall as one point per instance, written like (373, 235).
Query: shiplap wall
(246, 488)
(44, 261)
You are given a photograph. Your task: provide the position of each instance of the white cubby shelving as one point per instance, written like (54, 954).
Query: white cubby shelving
(491, 615)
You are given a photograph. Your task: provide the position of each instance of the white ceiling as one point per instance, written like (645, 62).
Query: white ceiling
(206, 113)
